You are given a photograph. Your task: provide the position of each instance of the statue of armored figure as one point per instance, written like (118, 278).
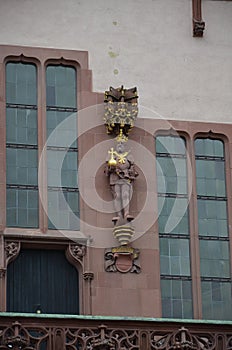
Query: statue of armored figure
(121, 171)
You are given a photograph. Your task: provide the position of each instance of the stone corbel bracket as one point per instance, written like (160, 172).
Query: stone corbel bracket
(12, 249)
(198, 23)
(76, 253)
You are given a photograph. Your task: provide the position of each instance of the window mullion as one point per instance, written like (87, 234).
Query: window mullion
(227, 151)
(42, 156)
(193, 223)
(2, 147)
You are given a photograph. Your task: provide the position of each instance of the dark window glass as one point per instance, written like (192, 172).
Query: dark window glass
(173, 215)
(214, 257)
(21, 126)
(61, 86)
(174, 256)
(62, 168)
(173, 221)
(216, 300)
(21, 84)
(170, 145)
(21, 145)
(209, 147)
(22, 207)
(176, 298)
(62, 156)
(171, 175)
(212, 218)
(61, 128)
(213, 229)
(210, 177)
(63, 209)
(22, 166)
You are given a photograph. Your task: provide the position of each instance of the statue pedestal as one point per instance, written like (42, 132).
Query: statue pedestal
(123, 234)
(123, 258)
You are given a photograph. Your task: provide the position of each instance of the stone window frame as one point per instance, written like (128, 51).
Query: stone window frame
(41, 237)
(190, 131)
(41, 58)
(181, 278)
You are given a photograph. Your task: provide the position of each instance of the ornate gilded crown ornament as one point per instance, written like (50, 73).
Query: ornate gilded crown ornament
(121, 109)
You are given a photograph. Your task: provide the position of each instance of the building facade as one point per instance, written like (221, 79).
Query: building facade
(59, 254)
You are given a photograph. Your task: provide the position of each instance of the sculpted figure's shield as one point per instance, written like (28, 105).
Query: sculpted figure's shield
(123, 262)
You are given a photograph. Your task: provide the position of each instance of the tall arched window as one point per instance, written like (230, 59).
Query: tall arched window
(23, 130)
(61, 105)
(39, 195)
(176, 286)
(213, 229)
(21, 145)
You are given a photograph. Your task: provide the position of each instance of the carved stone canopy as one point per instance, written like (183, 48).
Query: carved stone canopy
(121, 109)
(121, 95)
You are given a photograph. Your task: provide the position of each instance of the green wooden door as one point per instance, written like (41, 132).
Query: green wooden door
(42, 279)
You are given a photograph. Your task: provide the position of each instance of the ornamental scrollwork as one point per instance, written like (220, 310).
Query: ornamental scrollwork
(77, 251)
(17, 337)
(12, 249)
(102, 338)
(182, 339)
(121, 109)
(102, 342)
(41, 334)
(229, 343)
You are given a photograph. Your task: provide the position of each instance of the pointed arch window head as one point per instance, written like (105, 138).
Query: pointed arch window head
(61, 86)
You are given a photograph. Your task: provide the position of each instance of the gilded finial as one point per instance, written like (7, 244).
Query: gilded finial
(112, 161)
(121, 137)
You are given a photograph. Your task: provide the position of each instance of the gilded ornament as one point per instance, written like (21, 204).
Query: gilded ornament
(121, 109)
(112, 161)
